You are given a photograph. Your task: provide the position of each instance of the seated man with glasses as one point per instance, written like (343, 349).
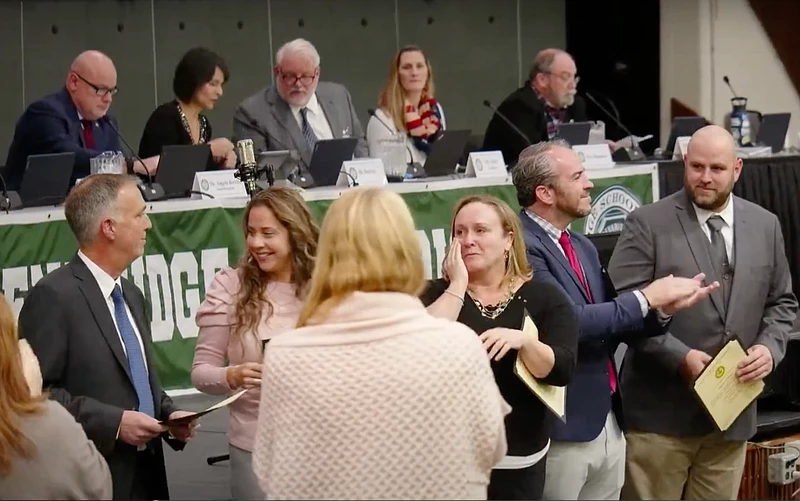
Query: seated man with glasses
(74, 119)
(298, 110)
(546, 100)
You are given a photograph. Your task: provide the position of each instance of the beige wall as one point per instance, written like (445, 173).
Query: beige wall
(703, 40)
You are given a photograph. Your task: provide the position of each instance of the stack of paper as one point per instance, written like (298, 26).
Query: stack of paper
(554, 397)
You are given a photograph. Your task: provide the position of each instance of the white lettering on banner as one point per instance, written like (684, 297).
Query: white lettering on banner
(163, 323)
(186, 301)
(439, 248)
(425, 248)
(610, 209)
(433, 255)
(173, 299)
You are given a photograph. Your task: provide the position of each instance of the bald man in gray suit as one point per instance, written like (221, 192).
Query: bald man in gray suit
(674, 449)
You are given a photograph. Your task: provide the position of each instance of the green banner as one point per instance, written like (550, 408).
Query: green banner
(185, 249)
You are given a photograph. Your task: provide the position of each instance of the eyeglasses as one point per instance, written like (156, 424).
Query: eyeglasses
(566, 77)
(100, 91)
(290, 79)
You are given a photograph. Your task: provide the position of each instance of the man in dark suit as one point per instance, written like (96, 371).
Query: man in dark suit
(587, 453)
(74, 119)
(298, 110)
(90, 331)
(701, 229)
(547, 100)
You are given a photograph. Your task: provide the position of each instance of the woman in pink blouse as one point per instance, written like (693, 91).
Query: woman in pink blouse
(245, 307)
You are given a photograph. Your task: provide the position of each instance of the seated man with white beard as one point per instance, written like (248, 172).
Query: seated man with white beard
(546, 100)
(298, 110)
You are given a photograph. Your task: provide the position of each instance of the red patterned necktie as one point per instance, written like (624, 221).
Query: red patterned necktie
(572, 257)
(88, 134)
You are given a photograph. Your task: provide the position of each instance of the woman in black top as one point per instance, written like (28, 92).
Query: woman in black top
(199, 78)
(488, 287)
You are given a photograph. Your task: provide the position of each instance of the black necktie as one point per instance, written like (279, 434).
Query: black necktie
(719, 256)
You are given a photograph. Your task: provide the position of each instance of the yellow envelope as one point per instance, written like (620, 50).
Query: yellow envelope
(554, 397)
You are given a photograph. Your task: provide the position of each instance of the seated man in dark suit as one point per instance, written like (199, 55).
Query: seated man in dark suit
(298, 110)
(74, 119)
(586, 459)
(546, 100)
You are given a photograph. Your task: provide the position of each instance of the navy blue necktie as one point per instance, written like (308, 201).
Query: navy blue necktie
(141, 382)
(308, 132)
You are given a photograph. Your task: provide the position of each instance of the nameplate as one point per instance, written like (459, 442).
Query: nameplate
(482, 164)
(364, 171)
(681, 147)
(594, 156)
(217, 184)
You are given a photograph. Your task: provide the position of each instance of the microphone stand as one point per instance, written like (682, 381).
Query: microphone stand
(152, 191)
(248, 171)
(624, 154)
(413, 169)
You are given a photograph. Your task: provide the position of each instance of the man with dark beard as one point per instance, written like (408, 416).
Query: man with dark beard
(674, 449)
(586, 459)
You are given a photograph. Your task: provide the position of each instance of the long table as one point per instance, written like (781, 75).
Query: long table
(192, 239)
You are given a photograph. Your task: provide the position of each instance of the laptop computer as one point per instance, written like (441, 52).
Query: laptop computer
(772, 131)
(328, 157)
(575, 133)
(177, 166)
(446, 152)
(46, 179)
(683, 126)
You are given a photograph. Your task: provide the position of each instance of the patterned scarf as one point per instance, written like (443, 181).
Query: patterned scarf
(423, 123)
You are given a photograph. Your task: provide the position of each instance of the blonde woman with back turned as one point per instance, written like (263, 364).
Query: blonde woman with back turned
(371, 397)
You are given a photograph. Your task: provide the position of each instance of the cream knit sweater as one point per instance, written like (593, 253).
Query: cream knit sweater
(383, 401)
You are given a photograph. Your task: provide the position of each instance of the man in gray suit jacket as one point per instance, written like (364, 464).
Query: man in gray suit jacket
(299, 110)
(89, 329)
(674, 449)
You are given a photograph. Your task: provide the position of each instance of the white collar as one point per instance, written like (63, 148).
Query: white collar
(104, 280)
(726, 213)
(312, 105)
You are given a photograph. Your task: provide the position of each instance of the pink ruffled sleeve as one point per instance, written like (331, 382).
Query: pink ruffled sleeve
(215, 317)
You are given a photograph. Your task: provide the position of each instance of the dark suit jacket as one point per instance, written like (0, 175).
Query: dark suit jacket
(665, 238)
(525, 110)
(51, 125)
(84, 367)
(604, 324)
(165, 128)
(267, 120)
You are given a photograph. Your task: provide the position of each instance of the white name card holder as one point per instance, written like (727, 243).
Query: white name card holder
(486, 164)
(364, 171)
(594, 156)
(681, 146)
(217, 184)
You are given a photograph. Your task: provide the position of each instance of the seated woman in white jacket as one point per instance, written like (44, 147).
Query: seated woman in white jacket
(406, 105)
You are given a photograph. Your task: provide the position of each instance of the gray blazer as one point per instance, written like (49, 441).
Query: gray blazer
(663, 238)
(266, 119)
(64, 464)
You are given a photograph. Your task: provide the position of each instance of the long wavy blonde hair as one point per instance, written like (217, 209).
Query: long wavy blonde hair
(16, 399)
(368, 243)
(292, 212)
(517, 265)
(393, 97)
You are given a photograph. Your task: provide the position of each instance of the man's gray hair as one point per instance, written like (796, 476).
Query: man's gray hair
(543, 63)
(93, 200)
(298, 46)
(535, 167)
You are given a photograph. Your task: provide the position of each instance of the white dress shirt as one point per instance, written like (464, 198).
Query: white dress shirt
(727, 229)
(106, 284)
(316, 118)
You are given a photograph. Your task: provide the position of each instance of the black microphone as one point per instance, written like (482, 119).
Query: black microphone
(516, 129)
(728, 83)
(9, 200)
(634, 153)
(413, 168)
(153, 191)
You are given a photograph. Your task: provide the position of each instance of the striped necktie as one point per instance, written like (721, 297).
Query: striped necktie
(308, 132)
(141, 381)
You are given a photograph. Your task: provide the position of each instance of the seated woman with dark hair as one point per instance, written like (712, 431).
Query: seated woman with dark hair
(199, 78)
